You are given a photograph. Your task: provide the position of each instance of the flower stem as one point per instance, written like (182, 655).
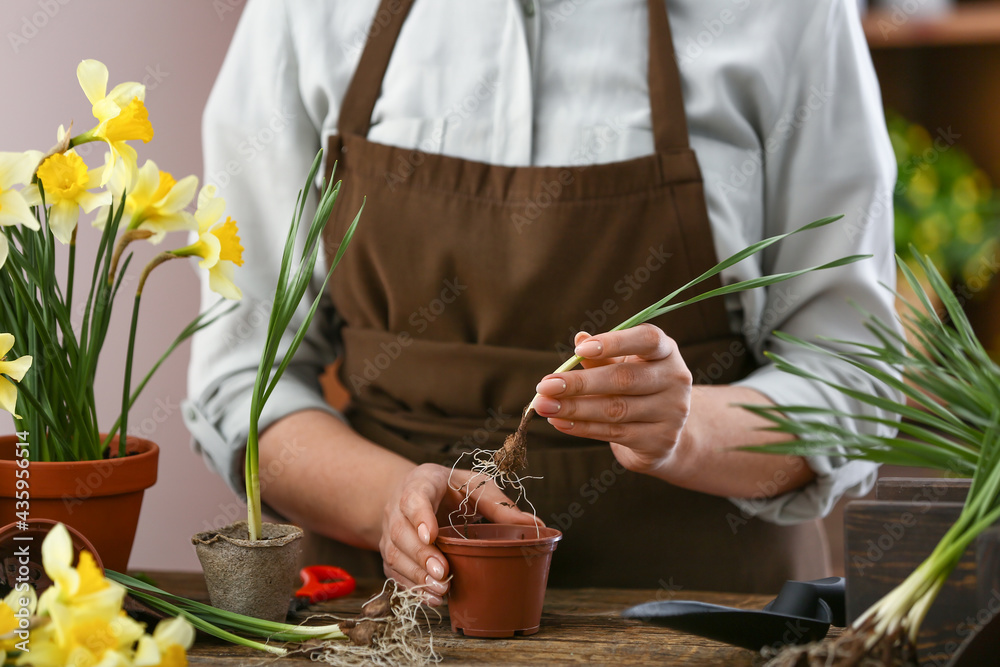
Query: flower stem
(127, 382)
(71, 270)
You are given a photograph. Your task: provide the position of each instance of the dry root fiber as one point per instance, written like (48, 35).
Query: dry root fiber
(856, 647)
(393, 629)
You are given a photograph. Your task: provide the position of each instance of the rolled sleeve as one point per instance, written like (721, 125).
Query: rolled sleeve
(219, 419)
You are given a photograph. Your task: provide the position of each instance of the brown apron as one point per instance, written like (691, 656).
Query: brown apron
(463, 288)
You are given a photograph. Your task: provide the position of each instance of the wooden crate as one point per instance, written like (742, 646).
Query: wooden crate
(887, 538)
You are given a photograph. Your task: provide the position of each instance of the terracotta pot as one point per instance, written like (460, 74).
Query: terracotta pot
(500, 573)
(99, 499)
(254, 578)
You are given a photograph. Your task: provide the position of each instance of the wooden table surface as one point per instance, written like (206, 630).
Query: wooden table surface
(578, 626)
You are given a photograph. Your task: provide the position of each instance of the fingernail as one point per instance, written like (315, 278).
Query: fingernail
(433, 600)
(589, 348)
(561, 423)
(438, 586)
(547, 406)
(552, 386)
(424, 533)
(435, 567)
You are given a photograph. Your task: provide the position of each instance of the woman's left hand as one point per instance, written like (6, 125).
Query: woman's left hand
(634, 391)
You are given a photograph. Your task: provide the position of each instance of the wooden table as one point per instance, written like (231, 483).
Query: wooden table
(578, 626)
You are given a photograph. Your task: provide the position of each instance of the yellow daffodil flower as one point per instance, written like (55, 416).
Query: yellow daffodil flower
(121, 115)
(15, 169)
(16, 606)
(67, 181)
(14, 370)
(155, 201)
(167, 646)
(218, 244)
(83, 623)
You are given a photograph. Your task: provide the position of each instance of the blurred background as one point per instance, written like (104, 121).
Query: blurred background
(939, 66)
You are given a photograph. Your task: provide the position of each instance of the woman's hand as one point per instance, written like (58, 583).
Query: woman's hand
(410, 523)
(634, 392)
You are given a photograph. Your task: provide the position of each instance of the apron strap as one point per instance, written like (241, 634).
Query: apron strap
(666, 99)
(366, 84)
(665, 94)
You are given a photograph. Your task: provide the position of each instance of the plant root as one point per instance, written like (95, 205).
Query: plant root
(512, 457)
(855, 647)
(393, 629)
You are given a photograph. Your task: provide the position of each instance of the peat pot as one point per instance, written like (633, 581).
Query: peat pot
(98, 499)
(251, 577)
(499, 576)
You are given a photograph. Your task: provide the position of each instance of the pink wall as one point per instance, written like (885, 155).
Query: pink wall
(176, 49)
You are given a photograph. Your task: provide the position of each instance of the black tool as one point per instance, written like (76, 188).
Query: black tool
(802, 612)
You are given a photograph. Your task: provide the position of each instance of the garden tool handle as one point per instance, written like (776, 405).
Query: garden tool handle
(325, 582)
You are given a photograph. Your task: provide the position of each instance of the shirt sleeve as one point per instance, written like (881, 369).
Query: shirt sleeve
(259, 144)
(827, 153)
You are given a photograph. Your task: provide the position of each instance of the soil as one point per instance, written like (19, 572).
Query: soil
(848, 650)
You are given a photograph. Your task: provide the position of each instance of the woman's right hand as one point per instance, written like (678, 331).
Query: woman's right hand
(411, 518)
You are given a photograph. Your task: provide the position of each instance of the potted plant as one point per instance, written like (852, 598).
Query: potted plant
(61, 462)
(959, 432)
(250, 567)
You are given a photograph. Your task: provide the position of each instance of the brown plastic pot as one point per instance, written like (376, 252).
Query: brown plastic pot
(499, 576)
(251, 577)
(99, 499)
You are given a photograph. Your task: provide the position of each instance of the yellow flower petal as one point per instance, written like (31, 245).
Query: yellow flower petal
(63, 218)
(14, 211)
(64, 176)
(6, 344)
(220, 281)
(132, 123)
(3, 249)
(124, 93)
(229, 243)
(210, 208)
(8, 397)
(17, 368)
(91, 578)
(174, 631)
(17, 168)
(57, 559)
(208, 248)
(90, 200)
(93, 78)
(180, 194)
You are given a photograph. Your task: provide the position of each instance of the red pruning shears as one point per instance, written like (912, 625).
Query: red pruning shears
(324, 582)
